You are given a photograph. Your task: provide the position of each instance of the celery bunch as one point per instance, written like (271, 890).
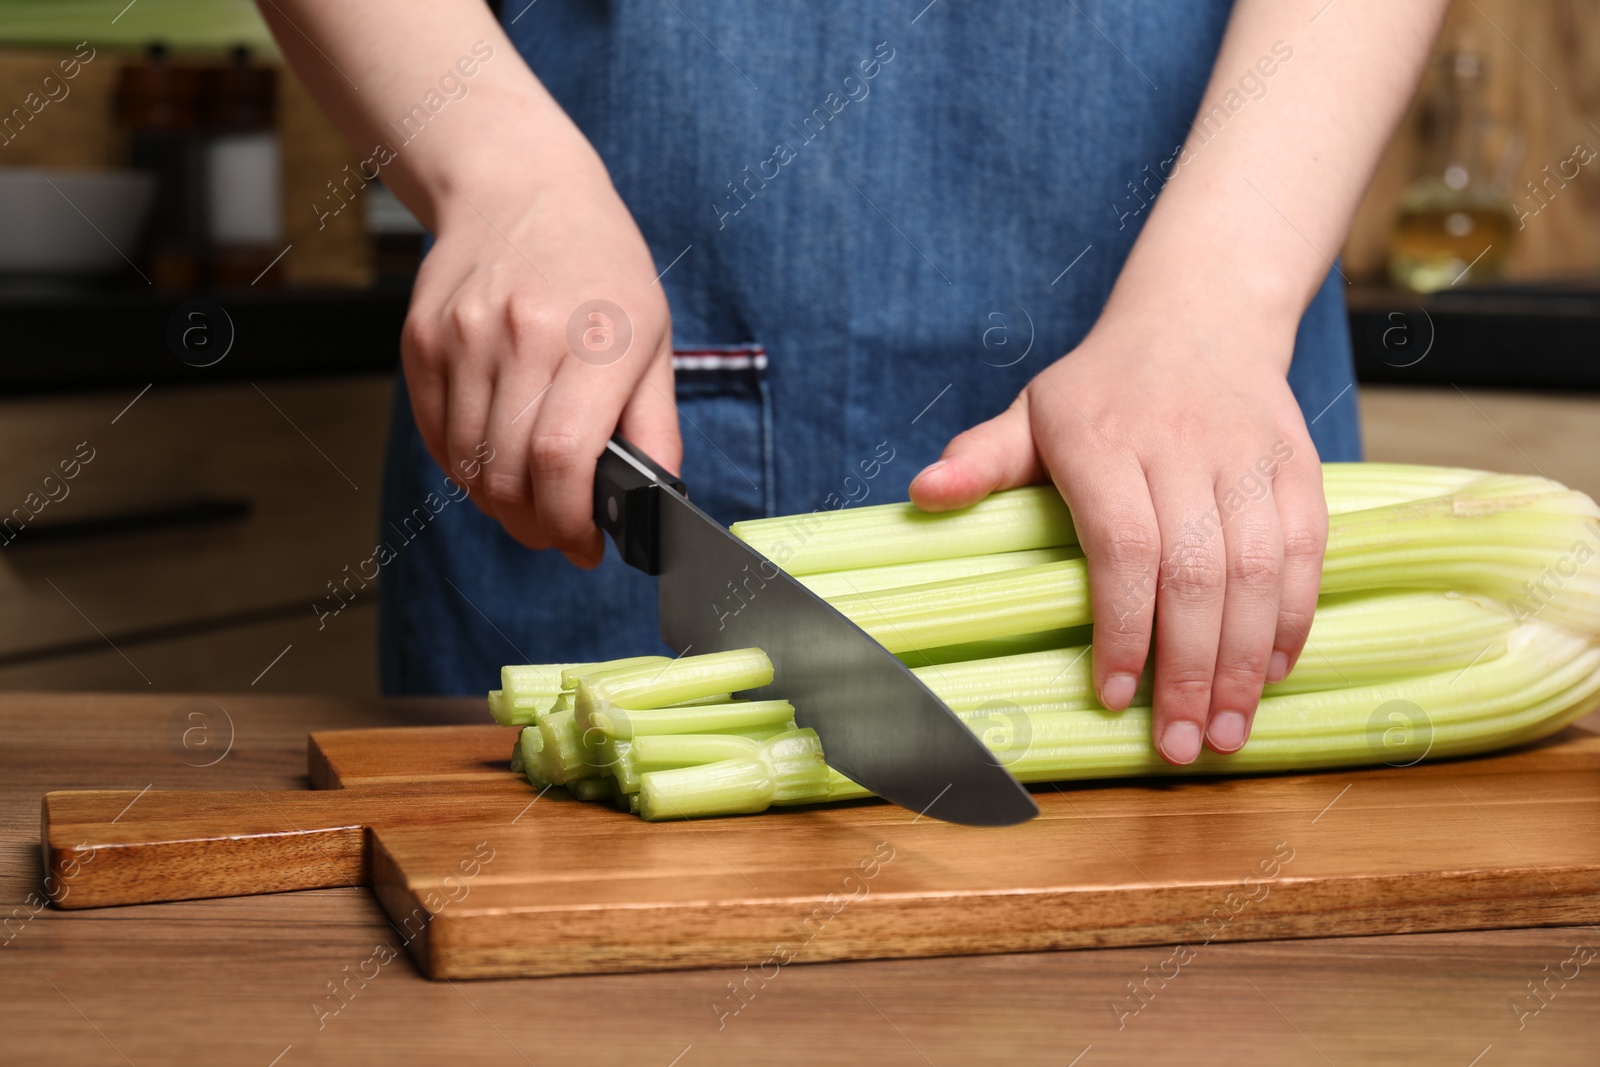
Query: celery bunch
(1460, 612)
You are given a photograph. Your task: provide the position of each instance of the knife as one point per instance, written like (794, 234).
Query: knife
(879, 724)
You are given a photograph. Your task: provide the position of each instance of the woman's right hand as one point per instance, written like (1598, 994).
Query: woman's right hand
(538, 327)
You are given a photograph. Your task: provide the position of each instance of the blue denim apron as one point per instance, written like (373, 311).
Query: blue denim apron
(881, 223)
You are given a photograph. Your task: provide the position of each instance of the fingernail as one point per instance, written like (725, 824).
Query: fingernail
(1278, 667)
(1180, 742)
(1226, 732)
(1117, 693)
(931, 468)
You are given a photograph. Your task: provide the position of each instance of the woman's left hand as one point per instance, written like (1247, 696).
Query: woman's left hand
(1197, 496)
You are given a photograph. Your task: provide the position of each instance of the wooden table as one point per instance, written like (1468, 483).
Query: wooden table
(247, 981)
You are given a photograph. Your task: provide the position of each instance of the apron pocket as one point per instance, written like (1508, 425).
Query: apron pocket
(725, 415)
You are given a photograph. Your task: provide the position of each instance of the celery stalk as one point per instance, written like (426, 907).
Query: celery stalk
(1023, 519)
(529, 691)
(1020, 601)
(1013, 521)
(1490, 540)
(1460, 612)
(654, 685)
(788, 769)
(561, 757)
(663, 751)
(1015, 645)
(829, 584)
(700, 718)
(727, 787)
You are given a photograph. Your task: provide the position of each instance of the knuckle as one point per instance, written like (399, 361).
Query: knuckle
(1122, 612)
(1124, 626)
(1305, 540)
(1244, 670)
(1293, 626)
(1193, 572)
(504, 489)
(1129, 543)
(1254, 565)
(470, 320)
(555, 451)
(1187, 684)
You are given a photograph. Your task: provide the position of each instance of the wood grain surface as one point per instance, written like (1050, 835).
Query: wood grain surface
(483, 880)
(277, 979)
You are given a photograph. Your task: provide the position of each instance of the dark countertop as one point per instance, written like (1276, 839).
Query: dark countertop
(1544, 336)
(58, 341)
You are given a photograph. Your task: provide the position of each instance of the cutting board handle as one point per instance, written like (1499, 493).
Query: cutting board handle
(105, 847)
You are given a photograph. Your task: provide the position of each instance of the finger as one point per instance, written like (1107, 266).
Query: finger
(426, 384)
(466, 427)
(1110, 503)
(998, 454)
(576, 418)
(1253, 548)
(507, 483)
(650, 417)
(1189, 595)
(1303, 519)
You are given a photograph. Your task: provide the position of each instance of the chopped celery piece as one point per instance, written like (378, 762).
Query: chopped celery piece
(662, 751)
(545, 678)
(687, 678)
(562, 757)
(529, 744)
(788, 768)
(700, 718)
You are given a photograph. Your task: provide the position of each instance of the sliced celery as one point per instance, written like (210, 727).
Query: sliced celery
(655, 685)
(695, 719)
(788, 769)
(727, 787)
(545, 678)
(660, 752)
(562, 757)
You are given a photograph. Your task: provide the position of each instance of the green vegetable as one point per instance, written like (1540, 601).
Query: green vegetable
(1460, 612)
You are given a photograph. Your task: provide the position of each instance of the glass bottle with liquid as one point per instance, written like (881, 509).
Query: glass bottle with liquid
(1456, 223)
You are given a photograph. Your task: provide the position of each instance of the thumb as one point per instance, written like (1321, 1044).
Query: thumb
(650, 418)
(997, 454)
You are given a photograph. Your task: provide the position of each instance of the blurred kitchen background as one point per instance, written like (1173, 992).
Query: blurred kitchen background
(188, 479)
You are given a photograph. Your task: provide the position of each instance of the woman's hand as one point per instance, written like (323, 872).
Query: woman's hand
(1197, 497)
(537, 325)
(1171, 430)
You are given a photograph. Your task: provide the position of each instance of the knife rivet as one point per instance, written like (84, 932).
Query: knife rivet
(611, 508)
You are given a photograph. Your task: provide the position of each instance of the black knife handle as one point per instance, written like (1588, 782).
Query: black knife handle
(627, 497)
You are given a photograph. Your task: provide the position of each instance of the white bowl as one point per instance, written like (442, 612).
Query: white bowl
(70, 222)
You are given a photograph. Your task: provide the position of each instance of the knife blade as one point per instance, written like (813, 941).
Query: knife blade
(879, 724)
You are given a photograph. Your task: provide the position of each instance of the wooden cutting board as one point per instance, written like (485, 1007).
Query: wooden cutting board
(482, 876)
